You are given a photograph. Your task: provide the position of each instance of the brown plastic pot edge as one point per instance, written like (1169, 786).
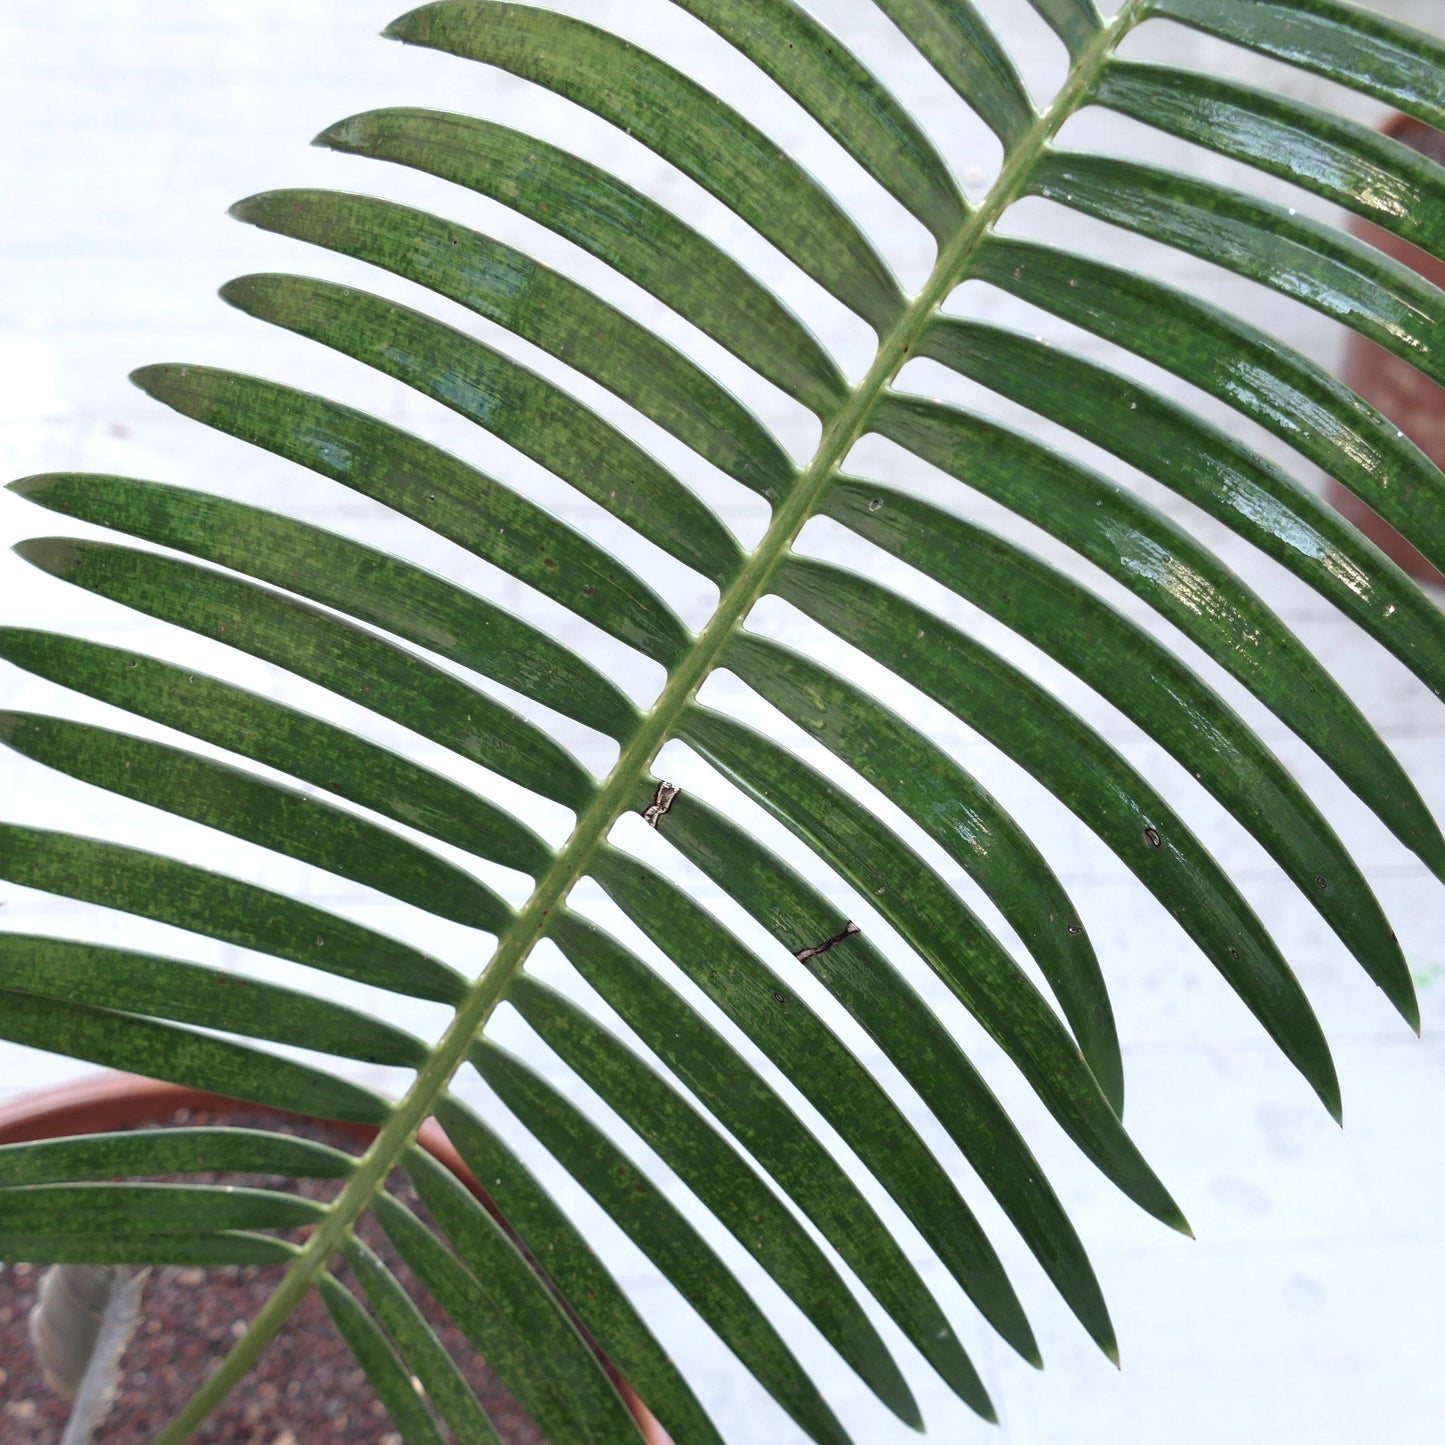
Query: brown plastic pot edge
(114, 1101)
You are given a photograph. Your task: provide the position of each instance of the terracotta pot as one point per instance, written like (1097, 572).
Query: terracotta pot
(1411, 400)
(115, 1101)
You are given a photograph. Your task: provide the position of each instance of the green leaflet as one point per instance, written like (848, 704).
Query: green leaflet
(1159, 561)
(1226, 478)
(1025, 722)
(1287, 394)
(514, 404)
(505, 286)
(375, 673)
(150, 1209)
(832, 1080)
(431, 487)
(1075, 22)
(609, 219)
(1379, 297)
(1346, 44)
(955, 944)
(168, 1151)
(722, 1181)
(390, 1376)
(960, 815)
(662, 1232)
(358, 581)
(109, 1006)
(684, 124)
(836, 89)
(256, 810)
(1373, 175)
(420, 1350)
(238, 1247)
(736, 1095)
(574, 1268)
(163, 1051)
(212, 904)
(283, 738)
(862, 979)
(505, 1310)
(1171, 704)
(187, 993)
(953, 37)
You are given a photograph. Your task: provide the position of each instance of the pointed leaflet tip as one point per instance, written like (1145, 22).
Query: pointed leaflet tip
(412, 28)
(354, 134)
(906, 1409)
(1409, 1009)
(248, 208)
(243, 291)
(340, 136)
(51, 554)
(31, 487)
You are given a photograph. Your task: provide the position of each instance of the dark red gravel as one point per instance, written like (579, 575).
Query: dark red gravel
(306, 1389)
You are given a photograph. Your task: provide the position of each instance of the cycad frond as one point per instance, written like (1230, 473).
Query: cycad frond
(742, 996)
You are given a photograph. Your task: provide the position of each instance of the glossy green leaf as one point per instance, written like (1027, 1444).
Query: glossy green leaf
(683, 123)
(722, 1181)
(139, 1045)
(1374, 175)
(282, 738)
(1075, 22)
(954, 810)
(837, 90)
(389, 1376)
(954, 39)
(514, 404)
(500, 283)
(375, 673)
(881, 1000)
(415, 649)
(204, 1250)
(1199, 461)
(152, 1209)
(421, 1351)
(1160, 562)
(1090, 778)
(431, 487)
(356, 580)
(1284, 392)
(759, 1001)
(572, 1265)
(610, 220)
(535, 1347)
(246, 806)
(663, 1233)
(168, 1151)
(212, 904)
(1346, 44)
(1169, 703)
(771, 1132)
(935, 922)
(1312, 262)
(186, 993)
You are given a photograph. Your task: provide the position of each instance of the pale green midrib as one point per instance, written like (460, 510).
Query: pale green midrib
(617, 793)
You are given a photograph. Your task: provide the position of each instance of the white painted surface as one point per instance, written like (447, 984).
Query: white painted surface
(1307, 1310)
